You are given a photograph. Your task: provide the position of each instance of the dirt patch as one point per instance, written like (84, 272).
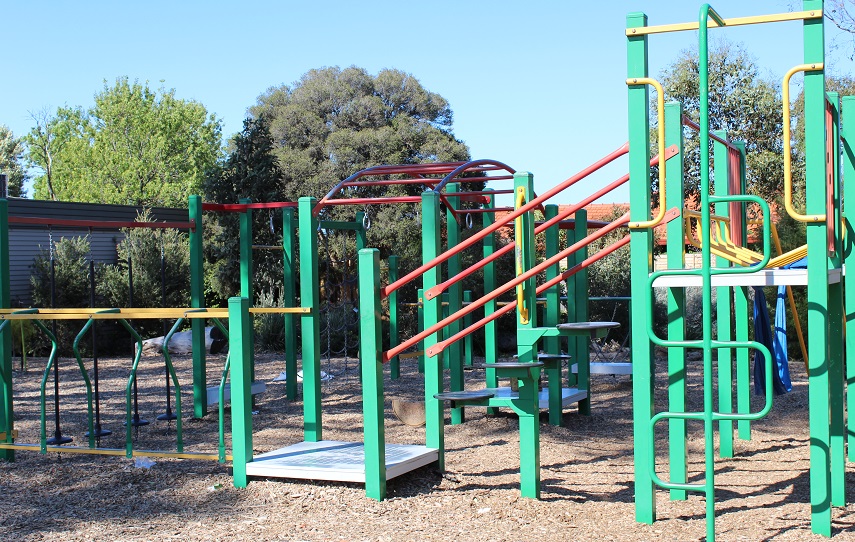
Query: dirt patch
(587, 471)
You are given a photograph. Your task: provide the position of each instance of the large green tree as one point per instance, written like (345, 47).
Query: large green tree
(334, 122)
(11, 155)
(134, 146)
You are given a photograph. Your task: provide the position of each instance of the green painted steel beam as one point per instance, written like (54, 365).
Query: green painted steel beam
(434, 411)
(197, 301)
(454, 352)
(289, 299)
(394, 331)
(7, 416)
(848, 136)
(240, 331)
(491, 340)
(309, 324)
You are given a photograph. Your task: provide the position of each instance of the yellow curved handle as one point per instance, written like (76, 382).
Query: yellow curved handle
(518, 225)
(660, 117)
(788, 171)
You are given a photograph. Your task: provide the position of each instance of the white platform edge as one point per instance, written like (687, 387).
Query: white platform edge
(766, 277)
(214, 392)
(568, 396)
(274, 464)
(607, 368)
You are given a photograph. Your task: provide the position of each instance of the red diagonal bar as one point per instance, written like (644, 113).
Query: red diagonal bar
(241, 207)
(534, 203)
(439, 288)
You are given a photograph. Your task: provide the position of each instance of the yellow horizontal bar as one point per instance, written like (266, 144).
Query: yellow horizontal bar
(411, 354)
(736, 21)
(14, 434)
(117, 452)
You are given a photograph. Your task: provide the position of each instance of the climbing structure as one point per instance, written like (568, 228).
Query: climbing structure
(823, 276)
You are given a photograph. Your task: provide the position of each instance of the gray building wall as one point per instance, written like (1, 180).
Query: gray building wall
(26, 241)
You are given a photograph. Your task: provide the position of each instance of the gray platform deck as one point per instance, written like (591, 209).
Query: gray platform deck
(213, 394)
(568, 395)
(338, 461)
(765, 277)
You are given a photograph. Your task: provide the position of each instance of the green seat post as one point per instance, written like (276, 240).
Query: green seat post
(455, 302)
(676, 250)
(434, 412)
(491, 342)
(197, 301)
(641, 246)
(724, 308)
(309, 324)
(551, 314)
(370, 350)
(240, 331)
(289, 286)
(6, 411)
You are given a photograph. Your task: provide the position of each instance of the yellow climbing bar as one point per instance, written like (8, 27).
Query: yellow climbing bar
(518, 225)
(736, 21)
(788, 166)
(660, 118)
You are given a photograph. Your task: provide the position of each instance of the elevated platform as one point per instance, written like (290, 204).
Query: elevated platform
(337, 461)
(765, 277)
(568, 396)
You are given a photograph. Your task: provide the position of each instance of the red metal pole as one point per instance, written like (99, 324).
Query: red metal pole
(532, 204)
(519, 279)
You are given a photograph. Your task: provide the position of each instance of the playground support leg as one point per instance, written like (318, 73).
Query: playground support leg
(848, 106)
(529, 416)
(240, 330)
(289, 300)
(434, 412)
(582, 356)
(197, 300)
(370, 347)
(491, 350)
(551, 314)
(394, 333)
(455, 303)
(678, 456)
(641, 246)
(246, 271)
(311, 332)
(6, 411)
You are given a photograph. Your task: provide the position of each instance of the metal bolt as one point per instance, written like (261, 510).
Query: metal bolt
(633, 30)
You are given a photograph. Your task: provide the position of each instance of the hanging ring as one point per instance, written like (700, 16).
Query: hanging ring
(469, 221)
(366, 222)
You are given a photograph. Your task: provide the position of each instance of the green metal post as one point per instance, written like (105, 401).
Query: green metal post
(434, 412)
(676, 259)
(641, 248)
(370, 348)
(197, 301)
(724, 356)
(289, 295)
(240, 331)
(742, 310)
(817, 289)
(574, 295)
(582, 354)
(394, 332)
(848, 136)
(551, 315)
(468, 341)
(420, 315)
(835, 326)
(455, 303)
(491, 342)
(6, 411)
(309, 324)
(246, 269)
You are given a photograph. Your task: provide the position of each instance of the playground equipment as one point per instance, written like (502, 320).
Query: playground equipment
(722, 233)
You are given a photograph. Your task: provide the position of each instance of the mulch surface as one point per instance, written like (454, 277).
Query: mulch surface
(587, 471)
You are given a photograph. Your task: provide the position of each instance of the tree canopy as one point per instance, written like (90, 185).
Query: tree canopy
(134, 146)
(11, 155)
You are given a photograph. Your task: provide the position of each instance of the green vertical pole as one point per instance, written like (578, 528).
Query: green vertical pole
(528, 409)
(551, 315)
(309, 324)
(817, 289)
(289, 300)
(370, 349)
(491, 342)
(641, 247)
(742, 310)
(574, 293)
(197, 300)
(394, 332)
(468, 340)
(420, 316)
(434, 412)
(6, 411)
(676, 259)
(835, 327)
(582, 355)
(246, 270)
(724, 356)
(240, 331)
(455, 302)
(361, 235)
(848, 136)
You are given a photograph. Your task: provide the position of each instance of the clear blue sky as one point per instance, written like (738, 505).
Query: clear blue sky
(538, 85)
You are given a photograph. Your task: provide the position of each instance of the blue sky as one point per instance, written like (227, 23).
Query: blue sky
(538, 85)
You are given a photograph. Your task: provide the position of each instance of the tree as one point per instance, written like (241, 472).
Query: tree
(334, 122)
(742, 102)
(134, 146)
(11, 155)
